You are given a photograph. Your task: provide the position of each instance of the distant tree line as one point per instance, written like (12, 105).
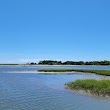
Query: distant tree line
(51, 62)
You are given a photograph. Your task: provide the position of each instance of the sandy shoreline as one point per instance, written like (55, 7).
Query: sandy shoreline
(73, 72)
(37, 72)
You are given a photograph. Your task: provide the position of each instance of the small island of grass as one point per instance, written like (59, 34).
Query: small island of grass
(94, 87)
(100, 72)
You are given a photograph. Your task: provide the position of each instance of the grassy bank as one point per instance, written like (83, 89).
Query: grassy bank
(95, 87)
(100, 72)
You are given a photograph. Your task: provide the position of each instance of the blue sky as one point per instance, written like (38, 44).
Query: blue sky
(33, 30)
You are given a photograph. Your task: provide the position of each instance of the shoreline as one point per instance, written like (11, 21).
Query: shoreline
(102, 77)
(84, 93)
(49, 65)
(60, 72)
(93, 87)
(99, 72)
(52, 73)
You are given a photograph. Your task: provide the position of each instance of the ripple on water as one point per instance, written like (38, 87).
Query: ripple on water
(44, 92)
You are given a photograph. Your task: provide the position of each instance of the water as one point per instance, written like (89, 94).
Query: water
(27, 91)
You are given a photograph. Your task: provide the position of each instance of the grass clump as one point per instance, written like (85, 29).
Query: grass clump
(95, 87)
(100, 72)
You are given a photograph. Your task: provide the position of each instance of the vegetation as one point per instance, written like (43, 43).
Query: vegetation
(100, 72)
(32, 63)
(95, 87)
(50, 62)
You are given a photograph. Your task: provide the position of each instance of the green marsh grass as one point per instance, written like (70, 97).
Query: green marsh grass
(100, 72)
(95, 87)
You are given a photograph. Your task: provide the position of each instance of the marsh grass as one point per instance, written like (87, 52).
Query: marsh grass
(95, 87)
(100, 72)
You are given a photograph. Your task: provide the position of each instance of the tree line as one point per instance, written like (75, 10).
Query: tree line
(51, 62)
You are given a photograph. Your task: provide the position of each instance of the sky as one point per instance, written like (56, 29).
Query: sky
(33, 30)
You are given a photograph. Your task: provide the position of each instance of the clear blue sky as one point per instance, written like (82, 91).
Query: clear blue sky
(32, 30)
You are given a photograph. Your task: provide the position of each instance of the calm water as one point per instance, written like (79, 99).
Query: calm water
(27, 91)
